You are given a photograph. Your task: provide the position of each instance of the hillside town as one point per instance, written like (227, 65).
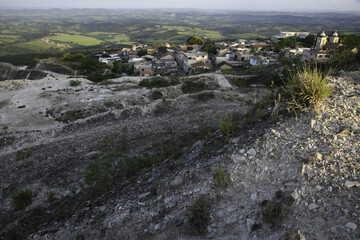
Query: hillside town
(149, 60)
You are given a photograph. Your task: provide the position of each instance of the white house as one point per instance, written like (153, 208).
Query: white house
(109, 60)
(193, 57)
(259, 60)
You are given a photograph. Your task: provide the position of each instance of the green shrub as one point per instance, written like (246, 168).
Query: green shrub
(275, 210)
(51, 196)
(157, 82)
(74, 83)
(80, 237)
(199, 215)
(220, 178)
(109, 104)
(204, 96)
(228, 125)
(307, 87)
(132, 165)
(157, 95)
(24, 154)
(99, 175)
(22, 199)
(193, 87)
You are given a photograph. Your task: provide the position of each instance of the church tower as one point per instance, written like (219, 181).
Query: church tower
(334, 39)
(321, 41)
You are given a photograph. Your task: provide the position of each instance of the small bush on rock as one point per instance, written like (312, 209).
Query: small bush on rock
(228, 125)
(220, 178)
(199, 215)
(276, 210)
(22, 199)
(157, 95)
(99, 175)
(23, 154)
(308, 88)
(193, 86)
(74, 83)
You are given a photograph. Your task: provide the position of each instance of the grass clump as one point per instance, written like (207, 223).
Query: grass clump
(74, 83)
(99, 175)
(22, 199)
(24, 154)
(220, 178)
(158, 82)
(51, 197)
(199, 215)
(308, 88)
(193, 86)
(228, 125)
(275, 210)
(157, 95)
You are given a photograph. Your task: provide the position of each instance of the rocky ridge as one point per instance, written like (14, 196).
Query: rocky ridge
(9, 71)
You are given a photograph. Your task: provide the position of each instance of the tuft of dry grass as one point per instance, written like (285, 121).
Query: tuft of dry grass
(308, 88)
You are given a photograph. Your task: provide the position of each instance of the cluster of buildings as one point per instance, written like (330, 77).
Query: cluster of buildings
(318, 53)
(189, 59)
(148, 60)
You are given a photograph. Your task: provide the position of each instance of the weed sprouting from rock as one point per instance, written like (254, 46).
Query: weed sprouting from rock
(276, 210)
(99, 175)
(51, 197)
(308, 88)
(74, 83)
(193, 86)
(220, 178)
(22, 199)
(24, 154)
(157, 95)
(199, 215)
(158, 82)
(228, 125)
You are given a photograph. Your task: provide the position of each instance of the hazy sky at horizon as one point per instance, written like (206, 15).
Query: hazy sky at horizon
(332, 5)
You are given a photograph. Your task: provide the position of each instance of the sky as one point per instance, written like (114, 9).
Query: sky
(278, 5)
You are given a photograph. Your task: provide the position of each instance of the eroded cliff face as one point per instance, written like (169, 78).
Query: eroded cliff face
(9, 71)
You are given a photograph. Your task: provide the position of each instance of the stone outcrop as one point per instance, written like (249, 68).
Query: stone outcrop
(9, 71)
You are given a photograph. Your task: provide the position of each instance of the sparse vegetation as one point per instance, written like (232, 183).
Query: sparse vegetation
(228, 125)
(80, 237)
(22, 199)
(308, 88)
(158, 82)
(23, 154)
(51, 197)
(74, 83)
(157, 95)
(276, 210)
(193, 86)
(199, 215)
(99, 175)
(220, 178)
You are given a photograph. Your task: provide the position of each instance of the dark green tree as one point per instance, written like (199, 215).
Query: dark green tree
(195, 40)
(210, 47)
(162, 49)
(350, 40)
(309, 41)
(142, 52)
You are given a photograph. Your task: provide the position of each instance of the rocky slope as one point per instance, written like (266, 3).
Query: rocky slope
(288, 179)
(9, 71)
